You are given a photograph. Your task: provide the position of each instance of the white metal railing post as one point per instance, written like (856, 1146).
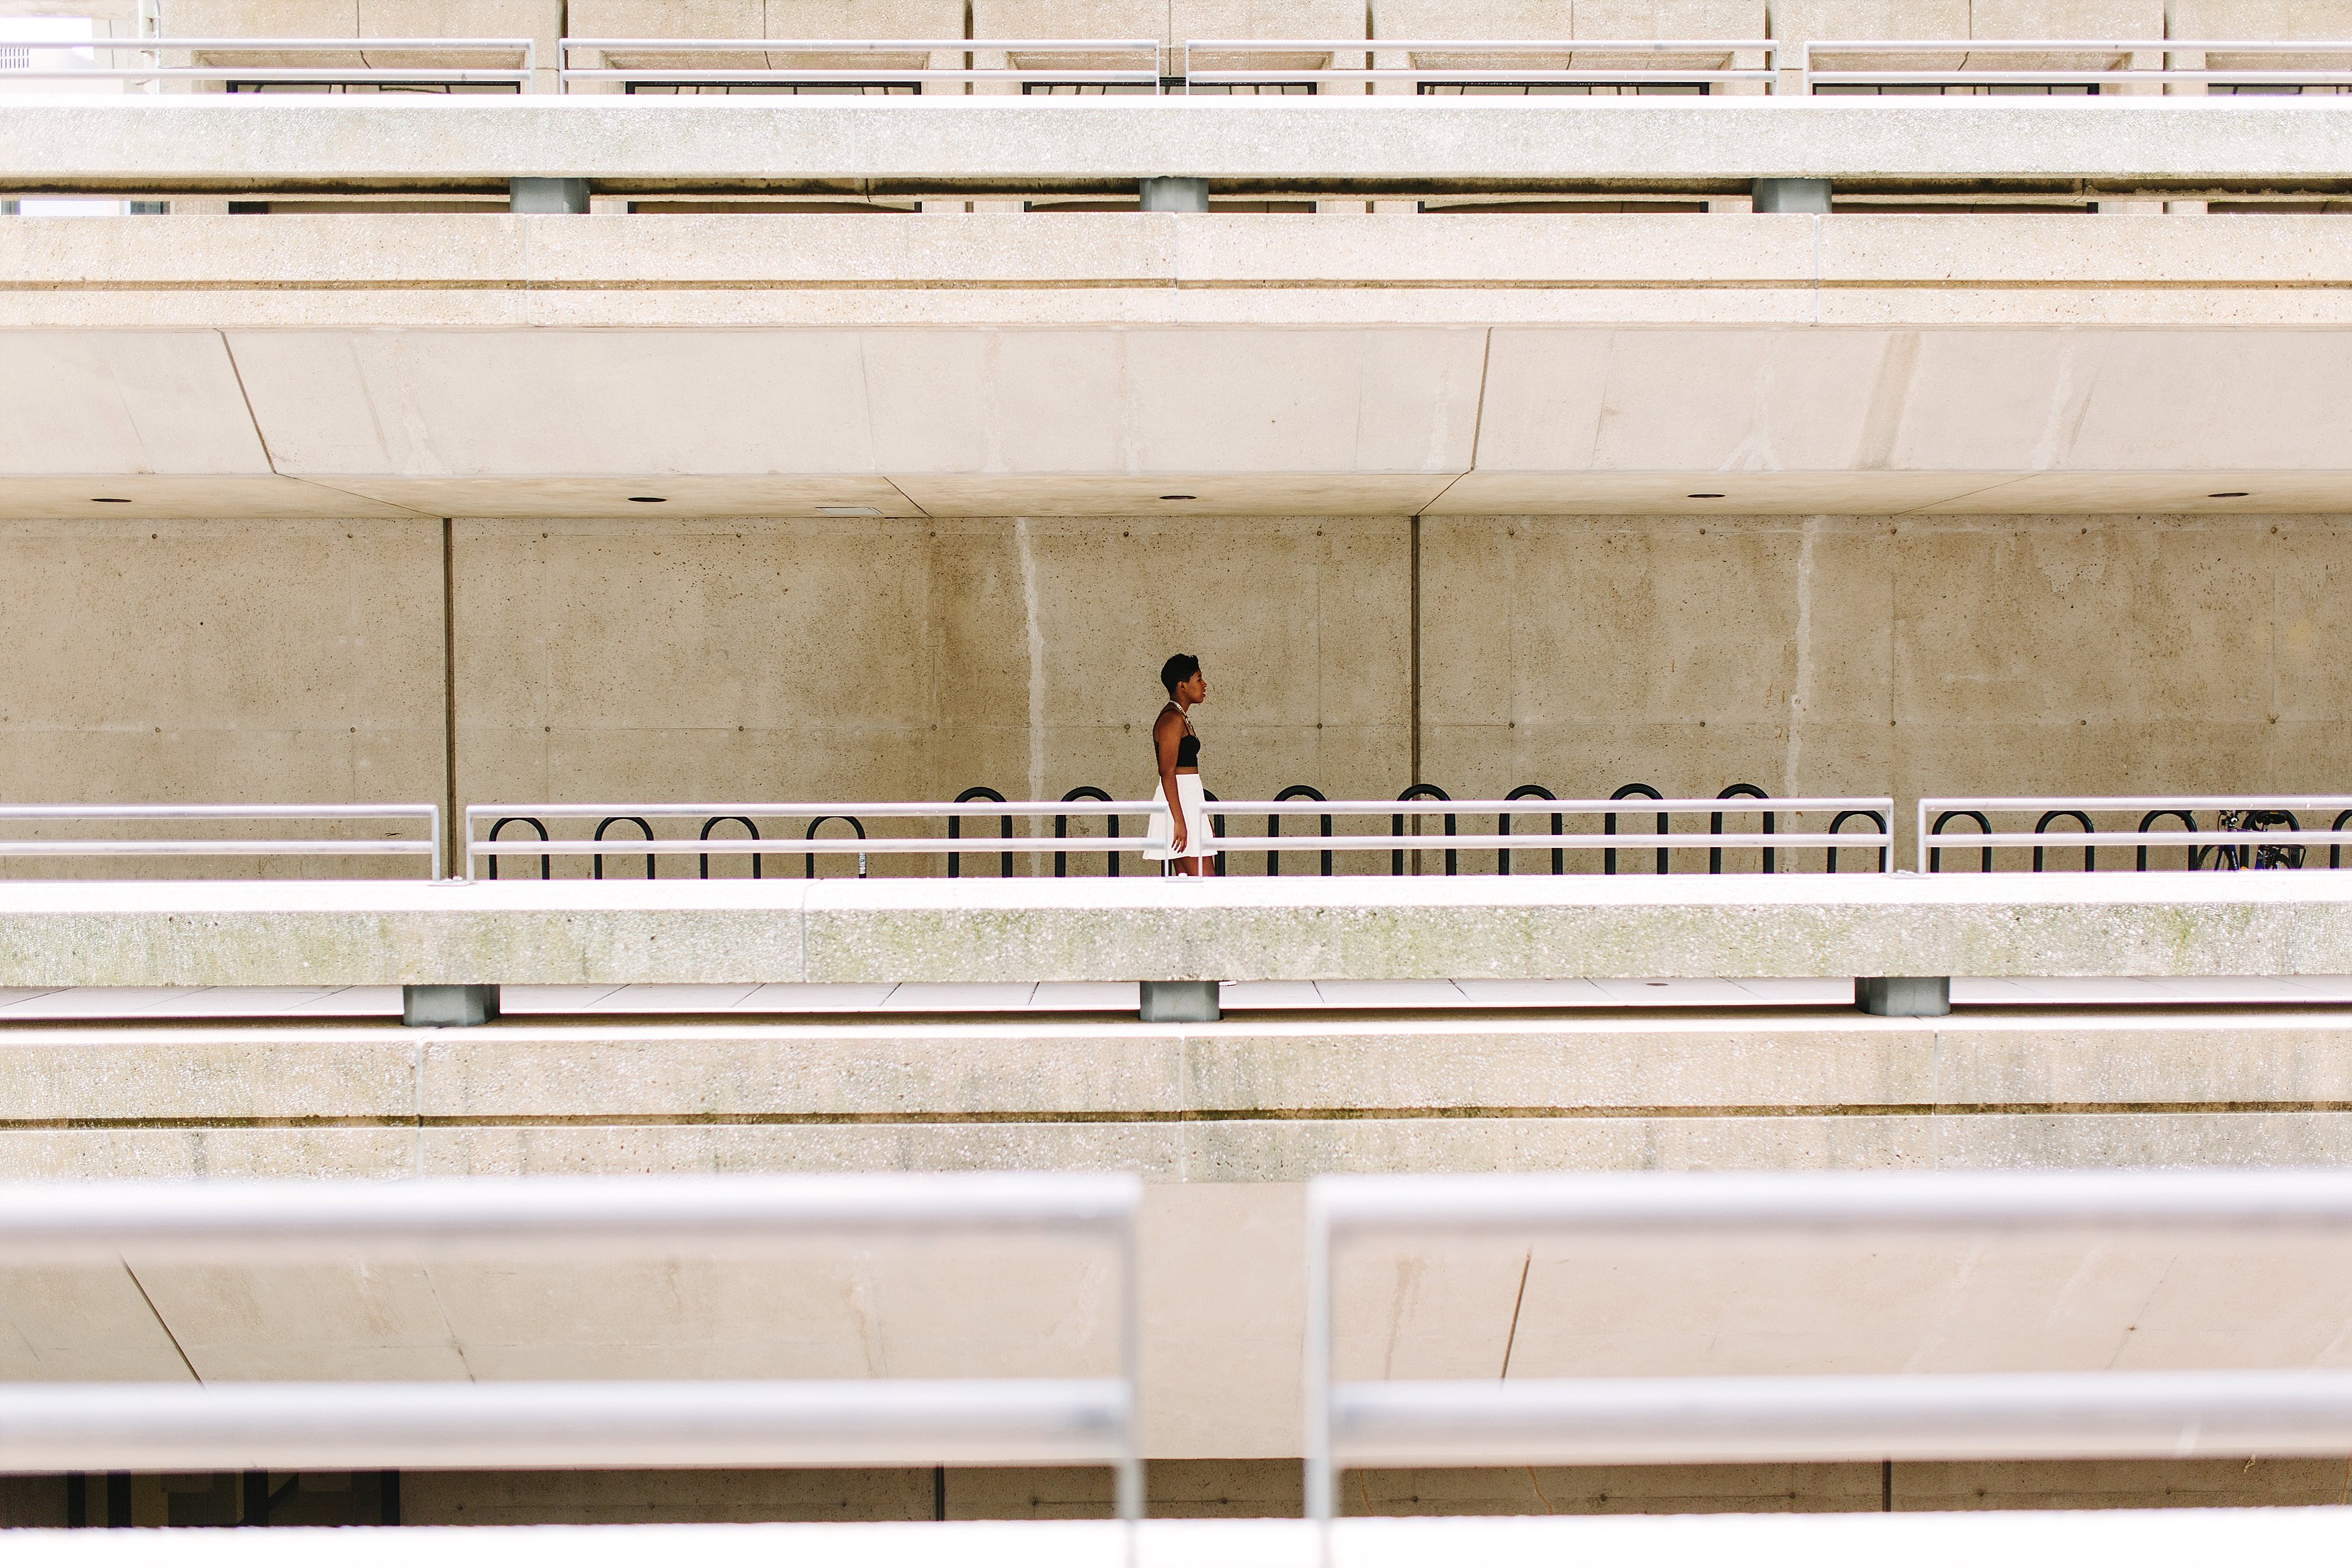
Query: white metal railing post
(1322, 1476)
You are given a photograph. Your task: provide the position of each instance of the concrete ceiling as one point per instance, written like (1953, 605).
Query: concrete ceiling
(1092, 420)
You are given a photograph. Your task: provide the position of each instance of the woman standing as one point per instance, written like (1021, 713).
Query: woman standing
(1181, 833)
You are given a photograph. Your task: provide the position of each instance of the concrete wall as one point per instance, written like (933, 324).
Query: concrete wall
(891, 658)
(1903, 656)
(209, 661)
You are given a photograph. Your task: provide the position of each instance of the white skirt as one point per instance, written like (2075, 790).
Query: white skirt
(1199, 832)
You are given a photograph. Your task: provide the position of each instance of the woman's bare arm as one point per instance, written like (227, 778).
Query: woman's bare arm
(1165, 736)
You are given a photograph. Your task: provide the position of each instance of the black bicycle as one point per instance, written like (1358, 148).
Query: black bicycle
(2244, 856)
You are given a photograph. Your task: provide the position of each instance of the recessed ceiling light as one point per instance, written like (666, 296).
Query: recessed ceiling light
(1180, 498)
(113, 500)
(1704, 495)
(650, 500)
(849, 511)
(2227, 496)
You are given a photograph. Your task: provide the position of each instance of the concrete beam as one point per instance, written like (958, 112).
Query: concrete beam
(522, 933)
(208, 142)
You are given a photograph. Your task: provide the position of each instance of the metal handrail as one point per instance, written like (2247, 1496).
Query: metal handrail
(2046, 809)
(1791, 1418)
(983, 803)
(1965, 76)
(1501, 74)
(428, 847)
(1145, 74)
(324, 75)
(51, 1428)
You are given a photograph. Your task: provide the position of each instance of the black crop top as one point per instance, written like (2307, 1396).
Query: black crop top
(1188, 744)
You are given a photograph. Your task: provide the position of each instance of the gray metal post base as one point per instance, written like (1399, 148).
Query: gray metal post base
(441, 1007)
(535, 195)
(1173, 194)
(1792, 195)
(1904, 996)
(1181, 1001)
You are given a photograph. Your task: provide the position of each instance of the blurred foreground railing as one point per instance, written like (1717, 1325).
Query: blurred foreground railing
(1801, 1419)
(51, 1428)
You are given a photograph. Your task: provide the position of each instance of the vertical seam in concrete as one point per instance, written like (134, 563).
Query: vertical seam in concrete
(452, 825)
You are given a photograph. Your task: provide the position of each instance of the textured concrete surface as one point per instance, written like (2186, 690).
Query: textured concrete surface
(199, 142)
(1286, 416)
(836, 931)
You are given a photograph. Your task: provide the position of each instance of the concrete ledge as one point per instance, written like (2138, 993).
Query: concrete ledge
(202, 142)
(518, 933)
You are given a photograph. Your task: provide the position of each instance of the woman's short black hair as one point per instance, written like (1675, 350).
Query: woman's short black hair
(1180, 668)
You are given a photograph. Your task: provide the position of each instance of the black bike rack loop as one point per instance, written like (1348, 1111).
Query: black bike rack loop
(1558, 852)
(1609, 826)
(808, 862)
(1216, 828)
(2188, 823)
(750, 827)
(2337, 827)
(546, 863)
(1273, 826)
(1840, 820)
(1715, 825)
(642, 826)
(1420, 792)
(1004, 830)
(2090, 852)
(1062, 830)
(1936, 851)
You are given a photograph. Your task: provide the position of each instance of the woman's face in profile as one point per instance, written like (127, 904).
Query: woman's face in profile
(1194, 689)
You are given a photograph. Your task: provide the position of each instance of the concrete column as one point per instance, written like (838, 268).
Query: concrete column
(1792, 195)
(1181, 1001)
(1904, 996)
(443, 1006)
(535, 195)
(1173, 194)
